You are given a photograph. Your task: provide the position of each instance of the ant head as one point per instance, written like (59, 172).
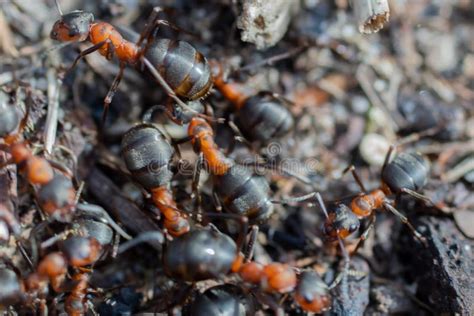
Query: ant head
(56, 198)
(341, 222)
(81, 251)
(72, 27)
(312, 293)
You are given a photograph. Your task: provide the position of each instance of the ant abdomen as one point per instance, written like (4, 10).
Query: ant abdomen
(225, 299)
(183, 68)
(11, 290)
(244, 193)
(406, 171)
(262, 118)
(199, 255)
(147, 155)
(98, 230)
(9, 119)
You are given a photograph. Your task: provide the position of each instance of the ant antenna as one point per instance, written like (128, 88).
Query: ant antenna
(58, 7)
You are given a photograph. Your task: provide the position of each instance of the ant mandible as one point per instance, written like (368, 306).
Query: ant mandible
(406, 173)
(177, 66)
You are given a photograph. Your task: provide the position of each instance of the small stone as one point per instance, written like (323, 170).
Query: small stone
(373, 149)
(265, 22)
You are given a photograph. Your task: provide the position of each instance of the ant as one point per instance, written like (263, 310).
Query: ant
(225, 299)
(406, 173)
(205, 253)
(55, 198)
(90, 221)
(311, 293)
(148, 154)
(238, 189)
(177, 66)
(56, 194)
(261, 117)
(77, 252)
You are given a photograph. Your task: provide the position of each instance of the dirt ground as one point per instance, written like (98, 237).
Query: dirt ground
(351, 96)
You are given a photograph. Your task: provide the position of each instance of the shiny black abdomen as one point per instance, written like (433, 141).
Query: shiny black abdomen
(201, 254)
(9, 119)
(263, 119)
(147, 155)
(244, 193)
(185, 69)
(406, 170)
(223, 300)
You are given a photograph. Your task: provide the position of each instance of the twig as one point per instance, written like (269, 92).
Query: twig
(272, 60)
(49, 136)
(371, 15)
(465, 166)
(7, 44)
(365, 77)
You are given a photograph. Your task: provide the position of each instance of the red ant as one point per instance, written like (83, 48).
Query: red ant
(206, 253)
(76, 252)
(406, 173)
(177, 66)
(260, 117)
(56, 194)
(147, 154)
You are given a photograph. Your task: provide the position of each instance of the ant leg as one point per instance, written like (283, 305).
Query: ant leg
(365, 234)
(266, 299)
(345, 254)
(148, 236)
(356, 177)
(409, 139)
(115, 245)
(150, 25)
(167, 23)
(52, 240)
(248, 254)
(112, 90)
(217, 202)
(86, 52)
(100, 213)
(405, 221)
(242, 221)
(273, 59)
(419, 196)
(417, 136)
(239, 136)
(277, 96)
(282, 170)
(387, 157)
(172, 94)
(59, 166)
(296, 199)
(25, 255)
(195, 185)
